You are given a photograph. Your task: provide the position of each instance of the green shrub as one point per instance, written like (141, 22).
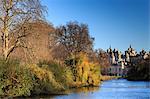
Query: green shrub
(15, 80)
(24, 80)
(48, 77)
(45, 81)
(62, 74)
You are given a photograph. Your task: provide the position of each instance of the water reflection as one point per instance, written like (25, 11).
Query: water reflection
(113, 89)
(83, 90)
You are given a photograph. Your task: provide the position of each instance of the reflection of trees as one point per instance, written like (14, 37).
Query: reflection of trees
(87, 89)
(83, 89)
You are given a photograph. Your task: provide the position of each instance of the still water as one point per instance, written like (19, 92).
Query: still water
(112, 89)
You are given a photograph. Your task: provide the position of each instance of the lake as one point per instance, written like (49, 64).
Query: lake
(112, 89)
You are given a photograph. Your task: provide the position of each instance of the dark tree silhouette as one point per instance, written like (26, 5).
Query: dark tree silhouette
(74, 37)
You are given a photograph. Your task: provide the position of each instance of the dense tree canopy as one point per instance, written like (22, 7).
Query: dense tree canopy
(139, 70)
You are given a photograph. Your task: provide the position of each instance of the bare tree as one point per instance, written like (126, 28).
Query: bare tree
(14, 16)
(74, 37)
(103, 60)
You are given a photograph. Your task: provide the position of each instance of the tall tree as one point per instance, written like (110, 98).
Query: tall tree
(14, 16)
(74, 37)
(103, 60)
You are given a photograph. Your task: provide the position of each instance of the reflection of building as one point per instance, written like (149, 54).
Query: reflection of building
(119, 62)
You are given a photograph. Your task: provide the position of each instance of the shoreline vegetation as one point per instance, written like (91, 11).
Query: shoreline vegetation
(46, 77)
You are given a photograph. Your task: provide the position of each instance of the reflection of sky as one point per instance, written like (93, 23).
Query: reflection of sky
(112, 22)
(115, 89)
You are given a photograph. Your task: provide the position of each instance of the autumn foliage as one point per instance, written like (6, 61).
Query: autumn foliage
(85, 72)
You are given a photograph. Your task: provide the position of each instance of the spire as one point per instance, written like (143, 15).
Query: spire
(110, 47)
(130, 46)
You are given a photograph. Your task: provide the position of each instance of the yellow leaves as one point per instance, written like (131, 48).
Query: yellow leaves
(88, 73)
(45, 75)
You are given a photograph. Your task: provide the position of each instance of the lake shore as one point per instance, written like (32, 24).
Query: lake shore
(110, 89)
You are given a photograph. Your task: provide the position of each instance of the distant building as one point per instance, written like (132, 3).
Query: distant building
(116, 70)
(119, 62)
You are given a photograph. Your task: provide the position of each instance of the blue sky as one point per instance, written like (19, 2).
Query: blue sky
(118, 23)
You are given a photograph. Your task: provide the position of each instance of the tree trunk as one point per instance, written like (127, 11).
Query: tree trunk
(5, 43)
